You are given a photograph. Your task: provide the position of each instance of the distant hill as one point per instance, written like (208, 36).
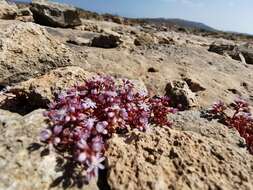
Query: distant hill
(179, 22)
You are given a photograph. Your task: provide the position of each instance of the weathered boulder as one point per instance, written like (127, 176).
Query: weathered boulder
(166, 40)
(228, 48)
(7, 10)
(170, 159)
(180, 94)
(40, 91)
(243, 52)
(144, 39)
(193, 121)
(55, 14)
(222, 46)
(43, 89)
(25, 15)
(247, 51)
(106, 41)
(28, 50)
(24, 163)
(116, 19)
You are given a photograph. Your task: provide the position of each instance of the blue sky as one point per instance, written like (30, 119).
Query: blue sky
(230, 15)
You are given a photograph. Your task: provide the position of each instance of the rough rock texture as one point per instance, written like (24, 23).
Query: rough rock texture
(222, 46)
(193, 121)
(39, 92)
(7, 11)
(27, 50)
(180, 93)
(21, 164)
(144, 39)
(79, 41)
(243, 52)
(55, 14)
(247, 51)
(106, 41)
(48, 85)
(171, 159)
(25, 15)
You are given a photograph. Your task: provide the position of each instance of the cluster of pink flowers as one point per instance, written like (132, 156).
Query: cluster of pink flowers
(241, 119)
(85, 116)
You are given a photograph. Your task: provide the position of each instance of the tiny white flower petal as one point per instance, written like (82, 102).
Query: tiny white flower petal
(82, 157)
(144, 106)
(57, 140)
(67, 118)
(101, 166)
(58, 129)
(88, 103)
(101, 159)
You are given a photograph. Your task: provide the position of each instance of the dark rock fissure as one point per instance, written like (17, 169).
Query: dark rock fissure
(2, 87)
(24, 103)
(102, 180)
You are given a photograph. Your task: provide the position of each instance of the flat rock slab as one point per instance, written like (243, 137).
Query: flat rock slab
(28, 50)
(55, 14)
(21, 164)
(172, 159)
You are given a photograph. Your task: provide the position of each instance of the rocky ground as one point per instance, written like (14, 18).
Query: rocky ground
(40, 58)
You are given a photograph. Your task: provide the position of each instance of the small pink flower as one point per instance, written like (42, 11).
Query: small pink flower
(82, 157)
(143, 93)
(111, 93)
(82, 144)
(57, 140)
(58, 129)
(124, 114)
(45, 135)
(143, 106)
(101, 127)
(60, 114)
(97, 144)
(88, 103)
(94, 165)
(111, 114)
(90, 122)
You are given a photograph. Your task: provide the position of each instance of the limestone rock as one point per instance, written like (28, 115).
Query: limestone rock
(39, 92)
(27, 50)
(170, 159)
(25, 15)
(22, 161)
(144, 39)
(243, 52)
(225, 47)
(50, 84)
(180, 93)
(7, 10)
(220, 46)
(193, 121)
(55, 14)
(106, 41)
(247, 51)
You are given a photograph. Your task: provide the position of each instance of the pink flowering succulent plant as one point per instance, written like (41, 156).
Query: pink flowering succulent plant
(84, 117)
(241, 119)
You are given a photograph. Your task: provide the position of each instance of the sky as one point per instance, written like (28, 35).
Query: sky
(228, 15)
